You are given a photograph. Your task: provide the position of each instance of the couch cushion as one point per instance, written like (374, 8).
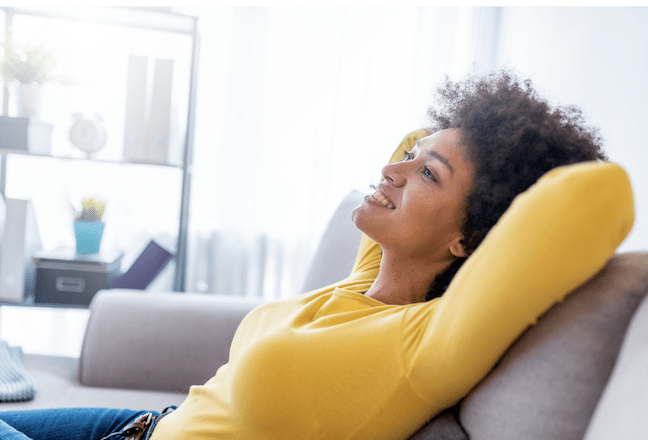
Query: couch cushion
(442, 427)
(548, 383)
(57, 387)
(158, 340)
(621, 411)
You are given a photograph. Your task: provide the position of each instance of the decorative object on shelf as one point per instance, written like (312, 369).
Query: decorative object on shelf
(88, 134)
(19, 238)
(88, 227)
(151, 132)
(25, 135)
(29, 65)
(69, 278)
(145, 269)
(28, 100)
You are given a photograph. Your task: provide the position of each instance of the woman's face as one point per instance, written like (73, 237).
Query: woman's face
(419, 207)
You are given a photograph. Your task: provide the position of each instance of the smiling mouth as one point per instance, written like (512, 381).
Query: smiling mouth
(380, 197)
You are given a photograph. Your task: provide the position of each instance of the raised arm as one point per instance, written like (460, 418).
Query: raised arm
(552, 239)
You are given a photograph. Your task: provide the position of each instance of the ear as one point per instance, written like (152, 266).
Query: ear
(457, 249)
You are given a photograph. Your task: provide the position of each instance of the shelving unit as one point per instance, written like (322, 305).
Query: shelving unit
(146, 19)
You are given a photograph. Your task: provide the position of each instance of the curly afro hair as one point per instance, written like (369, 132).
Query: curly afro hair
(513, 137)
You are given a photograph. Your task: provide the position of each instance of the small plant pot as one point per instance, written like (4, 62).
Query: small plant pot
(88, 236)
(28, 100)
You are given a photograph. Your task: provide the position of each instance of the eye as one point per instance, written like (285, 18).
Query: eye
(407, 155)
(427, 173)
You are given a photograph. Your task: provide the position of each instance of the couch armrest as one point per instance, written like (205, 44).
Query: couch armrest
(158, 341)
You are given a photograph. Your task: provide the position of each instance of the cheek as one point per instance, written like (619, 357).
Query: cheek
(433, 222)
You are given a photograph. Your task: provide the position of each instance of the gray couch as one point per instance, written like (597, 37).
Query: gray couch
(580, 372)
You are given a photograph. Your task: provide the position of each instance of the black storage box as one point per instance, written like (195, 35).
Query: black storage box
(65, 277)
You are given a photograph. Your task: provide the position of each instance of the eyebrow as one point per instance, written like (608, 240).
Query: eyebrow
(440, 158)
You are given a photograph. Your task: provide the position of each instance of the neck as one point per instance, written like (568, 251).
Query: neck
(400, 282)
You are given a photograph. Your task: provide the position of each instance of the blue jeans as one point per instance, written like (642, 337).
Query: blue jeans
(65, 423)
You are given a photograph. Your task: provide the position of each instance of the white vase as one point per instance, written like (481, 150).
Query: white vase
(28, 99)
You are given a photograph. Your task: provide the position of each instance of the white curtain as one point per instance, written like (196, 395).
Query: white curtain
(296, 107)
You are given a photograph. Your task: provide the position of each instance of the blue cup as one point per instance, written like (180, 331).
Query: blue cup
(88, 236)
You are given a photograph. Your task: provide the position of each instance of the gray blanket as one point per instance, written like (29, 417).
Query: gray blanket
(16, 383)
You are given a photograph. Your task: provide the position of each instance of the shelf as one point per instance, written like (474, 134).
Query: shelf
(7, 151)
(135, 22)
(29, 301)
(132, 17)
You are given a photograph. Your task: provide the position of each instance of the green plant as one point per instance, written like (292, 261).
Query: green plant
(92, 210)
(27, 63)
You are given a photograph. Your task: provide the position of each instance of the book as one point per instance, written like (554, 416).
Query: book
(19, 239)
(135, 122)
(145, 268)
(158, 134)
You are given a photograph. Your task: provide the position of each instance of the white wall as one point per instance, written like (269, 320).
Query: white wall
(597, 59)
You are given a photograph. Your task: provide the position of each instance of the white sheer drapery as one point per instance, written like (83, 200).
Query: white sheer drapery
(296, 107)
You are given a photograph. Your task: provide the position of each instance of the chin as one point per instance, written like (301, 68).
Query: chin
(368, 219)
(358, 215)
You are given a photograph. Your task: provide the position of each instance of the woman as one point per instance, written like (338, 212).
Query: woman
(378, 354)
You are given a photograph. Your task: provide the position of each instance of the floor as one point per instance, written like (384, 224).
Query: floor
(44, 330)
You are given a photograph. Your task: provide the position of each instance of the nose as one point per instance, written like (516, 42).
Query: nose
(394, 173)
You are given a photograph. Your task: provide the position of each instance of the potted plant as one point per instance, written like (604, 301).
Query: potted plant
(88, 227)
(29, 65)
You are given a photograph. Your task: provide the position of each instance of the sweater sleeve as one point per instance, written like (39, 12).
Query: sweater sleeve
(552, 239)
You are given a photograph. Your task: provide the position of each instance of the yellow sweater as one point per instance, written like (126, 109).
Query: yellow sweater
(334, 364)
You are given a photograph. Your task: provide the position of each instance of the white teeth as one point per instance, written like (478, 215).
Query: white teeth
(379, 196)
